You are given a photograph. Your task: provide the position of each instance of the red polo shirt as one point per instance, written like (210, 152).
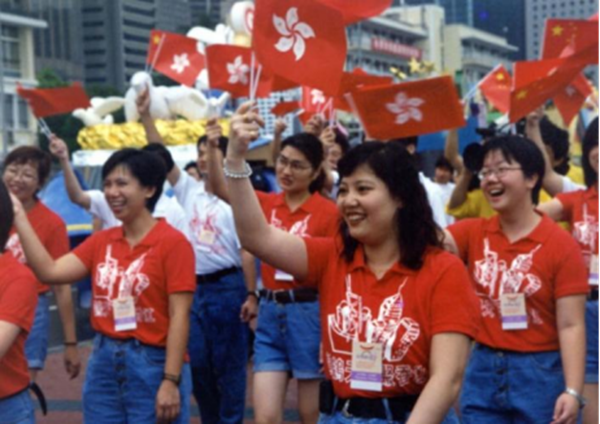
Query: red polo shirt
(317, 217)
(51, 231)
(159, 265)
(402, 311)
(18, 299)
(545, 265)
(580, 209)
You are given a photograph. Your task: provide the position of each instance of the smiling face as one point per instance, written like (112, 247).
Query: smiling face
(22, 180)
(294, 172)
(125, 195)
(504, 184)
(334, 154)
(367, 207)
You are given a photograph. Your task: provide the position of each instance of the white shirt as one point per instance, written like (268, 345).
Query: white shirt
(569, 185)
(211, 226)
(166, 208)
(435, 198)
(446, 190)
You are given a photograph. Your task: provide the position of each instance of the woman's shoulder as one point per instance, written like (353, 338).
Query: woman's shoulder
(14, 272)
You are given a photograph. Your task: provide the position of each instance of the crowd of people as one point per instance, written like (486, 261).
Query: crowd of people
(387, 296)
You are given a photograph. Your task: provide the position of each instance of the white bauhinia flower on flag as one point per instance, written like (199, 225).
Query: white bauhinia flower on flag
(180, 62)
(293, 33)
(317, 97)
(406, 108)
(238, 71)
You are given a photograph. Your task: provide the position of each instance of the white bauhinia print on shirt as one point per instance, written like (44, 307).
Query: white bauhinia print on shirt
(13, 245)
(496, 278)
(586, 231)
(406, 108)
(293, 33)
(114, 281)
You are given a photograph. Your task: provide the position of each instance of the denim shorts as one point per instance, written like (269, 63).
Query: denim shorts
(505, 387)
(288, 339)
(340, 418)
(36, 345)
(17, 409)
(591, 336)
(122, 380)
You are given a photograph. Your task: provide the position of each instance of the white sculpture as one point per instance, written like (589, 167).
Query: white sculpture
(100, 111)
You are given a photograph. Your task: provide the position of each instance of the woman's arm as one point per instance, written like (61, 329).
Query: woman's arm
(168, 398)
(76, 194)
(8, 334)
(449, 356)
(250, 306)
(279, 129)
(216, 177)
(276, 247)
(461, 190)
(570, 321)
(554, 209)
(66, 310)
(451, 151)
(65, 270)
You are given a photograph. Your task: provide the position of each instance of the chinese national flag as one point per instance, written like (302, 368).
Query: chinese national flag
(229, 69)
(54, 101)
(408, 109)
(175, 56)
(496, 88)
(537, 81)
(283, 108)
(570, 100)
(565, 37)
(357, 10)
(303, 41)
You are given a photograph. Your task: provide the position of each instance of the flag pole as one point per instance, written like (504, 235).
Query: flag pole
(157, 53)
(252, 63)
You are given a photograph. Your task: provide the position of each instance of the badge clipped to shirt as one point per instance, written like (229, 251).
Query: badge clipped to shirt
(367, 366)
(124, 314)
(514, 313)
(207, 237)
(593, 280)
(283, 276)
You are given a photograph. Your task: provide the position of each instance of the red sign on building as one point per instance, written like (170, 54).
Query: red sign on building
(396, 49)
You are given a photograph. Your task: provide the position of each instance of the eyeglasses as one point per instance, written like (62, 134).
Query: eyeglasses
(499, 172)
(295, 166)
(23, 175)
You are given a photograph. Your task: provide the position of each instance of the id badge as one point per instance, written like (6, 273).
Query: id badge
(514, 313)
(283, 276)
(124, 314)
(367, 366)
(593, 280)
(207, 237)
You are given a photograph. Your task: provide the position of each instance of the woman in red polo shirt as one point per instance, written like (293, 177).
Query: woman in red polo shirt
(580, 209)
(18, 299)
(528, 363)
(143, 282)
(396, 310)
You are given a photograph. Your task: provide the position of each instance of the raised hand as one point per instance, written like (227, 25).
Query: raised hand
(245, 125)
(280, 127)
(59, 148)
(143, 103)
(213, 132)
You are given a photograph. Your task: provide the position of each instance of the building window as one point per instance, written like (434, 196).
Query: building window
(23, 112)
(9, 121)
(145, 12)
(10, 51)
(140, 25)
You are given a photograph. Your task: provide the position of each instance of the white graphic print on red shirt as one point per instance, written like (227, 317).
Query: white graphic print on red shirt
(113, 281)
(14, 246)
(299, 228)
(586, 233)
(497, 278)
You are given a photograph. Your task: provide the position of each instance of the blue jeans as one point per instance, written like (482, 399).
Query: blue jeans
(288, 339)
(218, 349)
(122, 380)
(17, 409)
(36, 345)
(591, 337)
(503, 387)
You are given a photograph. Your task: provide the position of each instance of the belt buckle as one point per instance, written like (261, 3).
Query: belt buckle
(274, 295)
(345, 411)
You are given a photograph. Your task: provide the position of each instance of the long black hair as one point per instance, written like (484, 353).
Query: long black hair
(6, 215)
(590, 140)
(392, 164)
(312, 148)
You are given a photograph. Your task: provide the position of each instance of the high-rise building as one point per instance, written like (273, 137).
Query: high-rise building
(59, 46)
(17, 66)
(457, 11)
(204, 11)
(116, 33)
(505, 19)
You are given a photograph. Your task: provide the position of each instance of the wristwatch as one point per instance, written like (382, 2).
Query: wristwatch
(582, 401)
(172, 378)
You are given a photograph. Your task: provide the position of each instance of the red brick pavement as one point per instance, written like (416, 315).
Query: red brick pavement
(64, 395)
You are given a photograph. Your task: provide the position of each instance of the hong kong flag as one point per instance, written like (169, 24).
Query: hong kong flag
(314, 100)
(566, 37)
(570, 99)
(535, 82)
(175, 56)
(283, 108)
(408, 109)
(354, 80)
(357, 10)
(54, 101)
(495, 86)
(303, 41)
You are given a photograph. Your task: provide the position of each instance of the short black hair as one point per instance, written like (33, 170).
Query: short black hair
(312, 148)
(6, 215)
(146, 167)
(190, 165)
(558, 140)
(38, 158)
(444, 163)
(590, 140)
(408, 141)
(223, 141)
(524, 152)
(163, 153)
